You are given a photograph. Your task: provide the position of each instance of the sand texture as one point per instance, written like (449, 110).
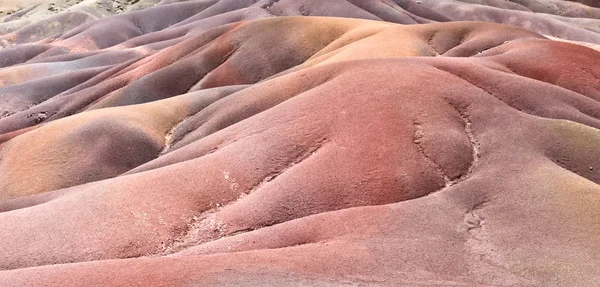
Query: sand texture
(300, 143)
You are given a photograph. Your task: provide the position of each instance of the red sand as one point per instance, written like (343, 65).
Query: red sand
(178, 146)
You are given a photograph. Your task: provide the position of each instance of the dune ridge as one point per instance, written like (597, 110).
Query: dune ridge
(300, 143)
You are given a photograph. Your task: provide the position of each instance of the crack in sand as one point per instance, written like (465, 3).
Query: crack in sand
(479, 245)
(274, 174)
(208, 227)
(475, 145)
(557, 162)
(418, 135)
(430, 41)
(477, 242)
(473, 219)
(169, 137)
(467, 125)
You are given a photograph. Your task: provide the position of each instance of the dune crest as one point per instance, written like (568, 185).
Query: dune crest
(253, 143)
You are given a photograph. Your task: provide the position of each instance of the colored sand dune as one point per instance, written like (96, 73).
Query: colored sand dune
(300, 143)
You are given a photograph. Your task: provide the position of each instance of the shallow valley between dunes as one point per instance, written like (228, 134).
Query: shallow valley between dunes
(299, 143)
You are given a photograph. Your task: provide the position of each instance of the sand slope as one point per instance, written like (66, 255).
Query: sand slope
(251, 143)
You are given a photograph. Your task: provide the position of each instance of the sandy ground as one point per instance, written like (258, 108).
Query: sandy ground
(10, 6)
(50, 7)
(312, 151)
(15, 15)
